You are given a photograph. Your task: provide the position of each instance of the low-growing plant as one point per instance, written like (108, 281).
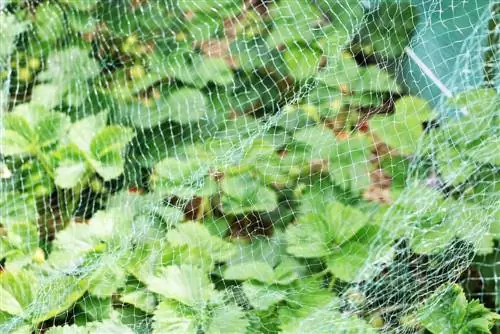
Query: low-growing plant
(223, 166)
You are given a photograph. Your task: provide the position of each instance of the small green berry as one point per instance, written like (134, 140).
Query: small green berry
(34, 63)
(39, 256)
(24, 74)
(137, 72)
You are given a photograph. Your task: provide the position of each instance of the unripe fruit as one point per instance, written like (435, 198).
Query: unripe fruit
(96, 185)
(377, 321)
(39, 256)
(41, 190)
(137, 72)
(131, 40)
(180, 37)
(34, 63)
(367, 50)
(24, 74)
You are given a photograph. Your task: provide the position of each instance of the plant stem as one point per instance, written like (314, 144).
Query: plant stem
(44, 162)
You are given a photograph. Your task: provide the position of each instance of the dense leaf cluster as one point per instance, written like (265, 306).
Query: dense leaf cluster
(219, 167)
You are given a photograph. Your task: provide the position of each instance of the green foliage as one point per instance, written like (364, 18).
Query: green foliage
(207, 167)
(403, 129)
(448, 311)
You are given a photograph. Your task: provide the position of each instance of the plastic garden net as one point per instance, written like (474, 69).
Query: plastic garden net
(249, 166)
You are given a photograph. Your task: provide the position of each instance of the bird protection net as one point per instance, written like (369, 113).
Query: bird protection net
(249, 166)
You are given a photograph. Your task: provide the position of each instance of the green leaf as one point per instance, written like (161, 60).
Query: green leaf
(107, 277)
(110, 139)
(49, 22)
(318, 140)
(345, 220)
(228, 319)
(325, 319)
(346, 262)
(68, 329)
(186, 284)
(293, 21)
(9, 303)
(192, 69)
(16, 135)
(107, 147)
(184, 105)
(23, 236)
(139, 298)
(106, 326)
(75, 241)
(311, 237)
(403, 129)
(69, 66)
(253, 270)
(214, 70)
(83, 6)
(51, 127)
(388, 29)
(47, 95)
(262, 249)
(96, 308)
(244, 194)
(448, 311)
(350, 163)
(196, 235)
(207, 5)
(83, 131)
(344, 71)
(263, 296)
(184, 178)
(55, 295)
(345, 16)
(11, 28)
(72, 166)
(302, 62)
(172, 318)
(251, 54)
(18, 289)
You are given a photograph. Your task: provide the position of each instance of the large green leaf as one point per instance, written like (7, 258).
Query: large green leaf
(243, 193)
(302, 62)
(193, 69)
(16, 135)
(403, 129)
(49, 22)
(55, 295)
(293, 21)
(228, 319)
(345, 72)
(350, 163)
(311, 237)
(106, 148)
(448, 311)
(183, 106)
(186, 284)
(94, 327)
(31, 128)
(11, 27)
(255, 270)
(388, 29)
(194, 235)
(172, 318)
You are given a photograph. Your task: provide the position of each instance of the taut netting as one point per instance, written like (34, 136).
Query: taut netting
(249, 166)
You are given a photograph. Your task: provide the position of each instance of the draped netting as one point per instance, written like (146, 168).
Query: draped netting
(249, 166)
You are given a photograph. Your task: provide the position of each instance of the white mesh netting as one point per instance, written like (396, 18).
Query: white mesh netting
(257, 166)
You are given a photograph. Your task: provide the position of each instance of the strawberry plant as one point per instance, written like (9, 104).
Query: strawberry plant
(227, 166)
